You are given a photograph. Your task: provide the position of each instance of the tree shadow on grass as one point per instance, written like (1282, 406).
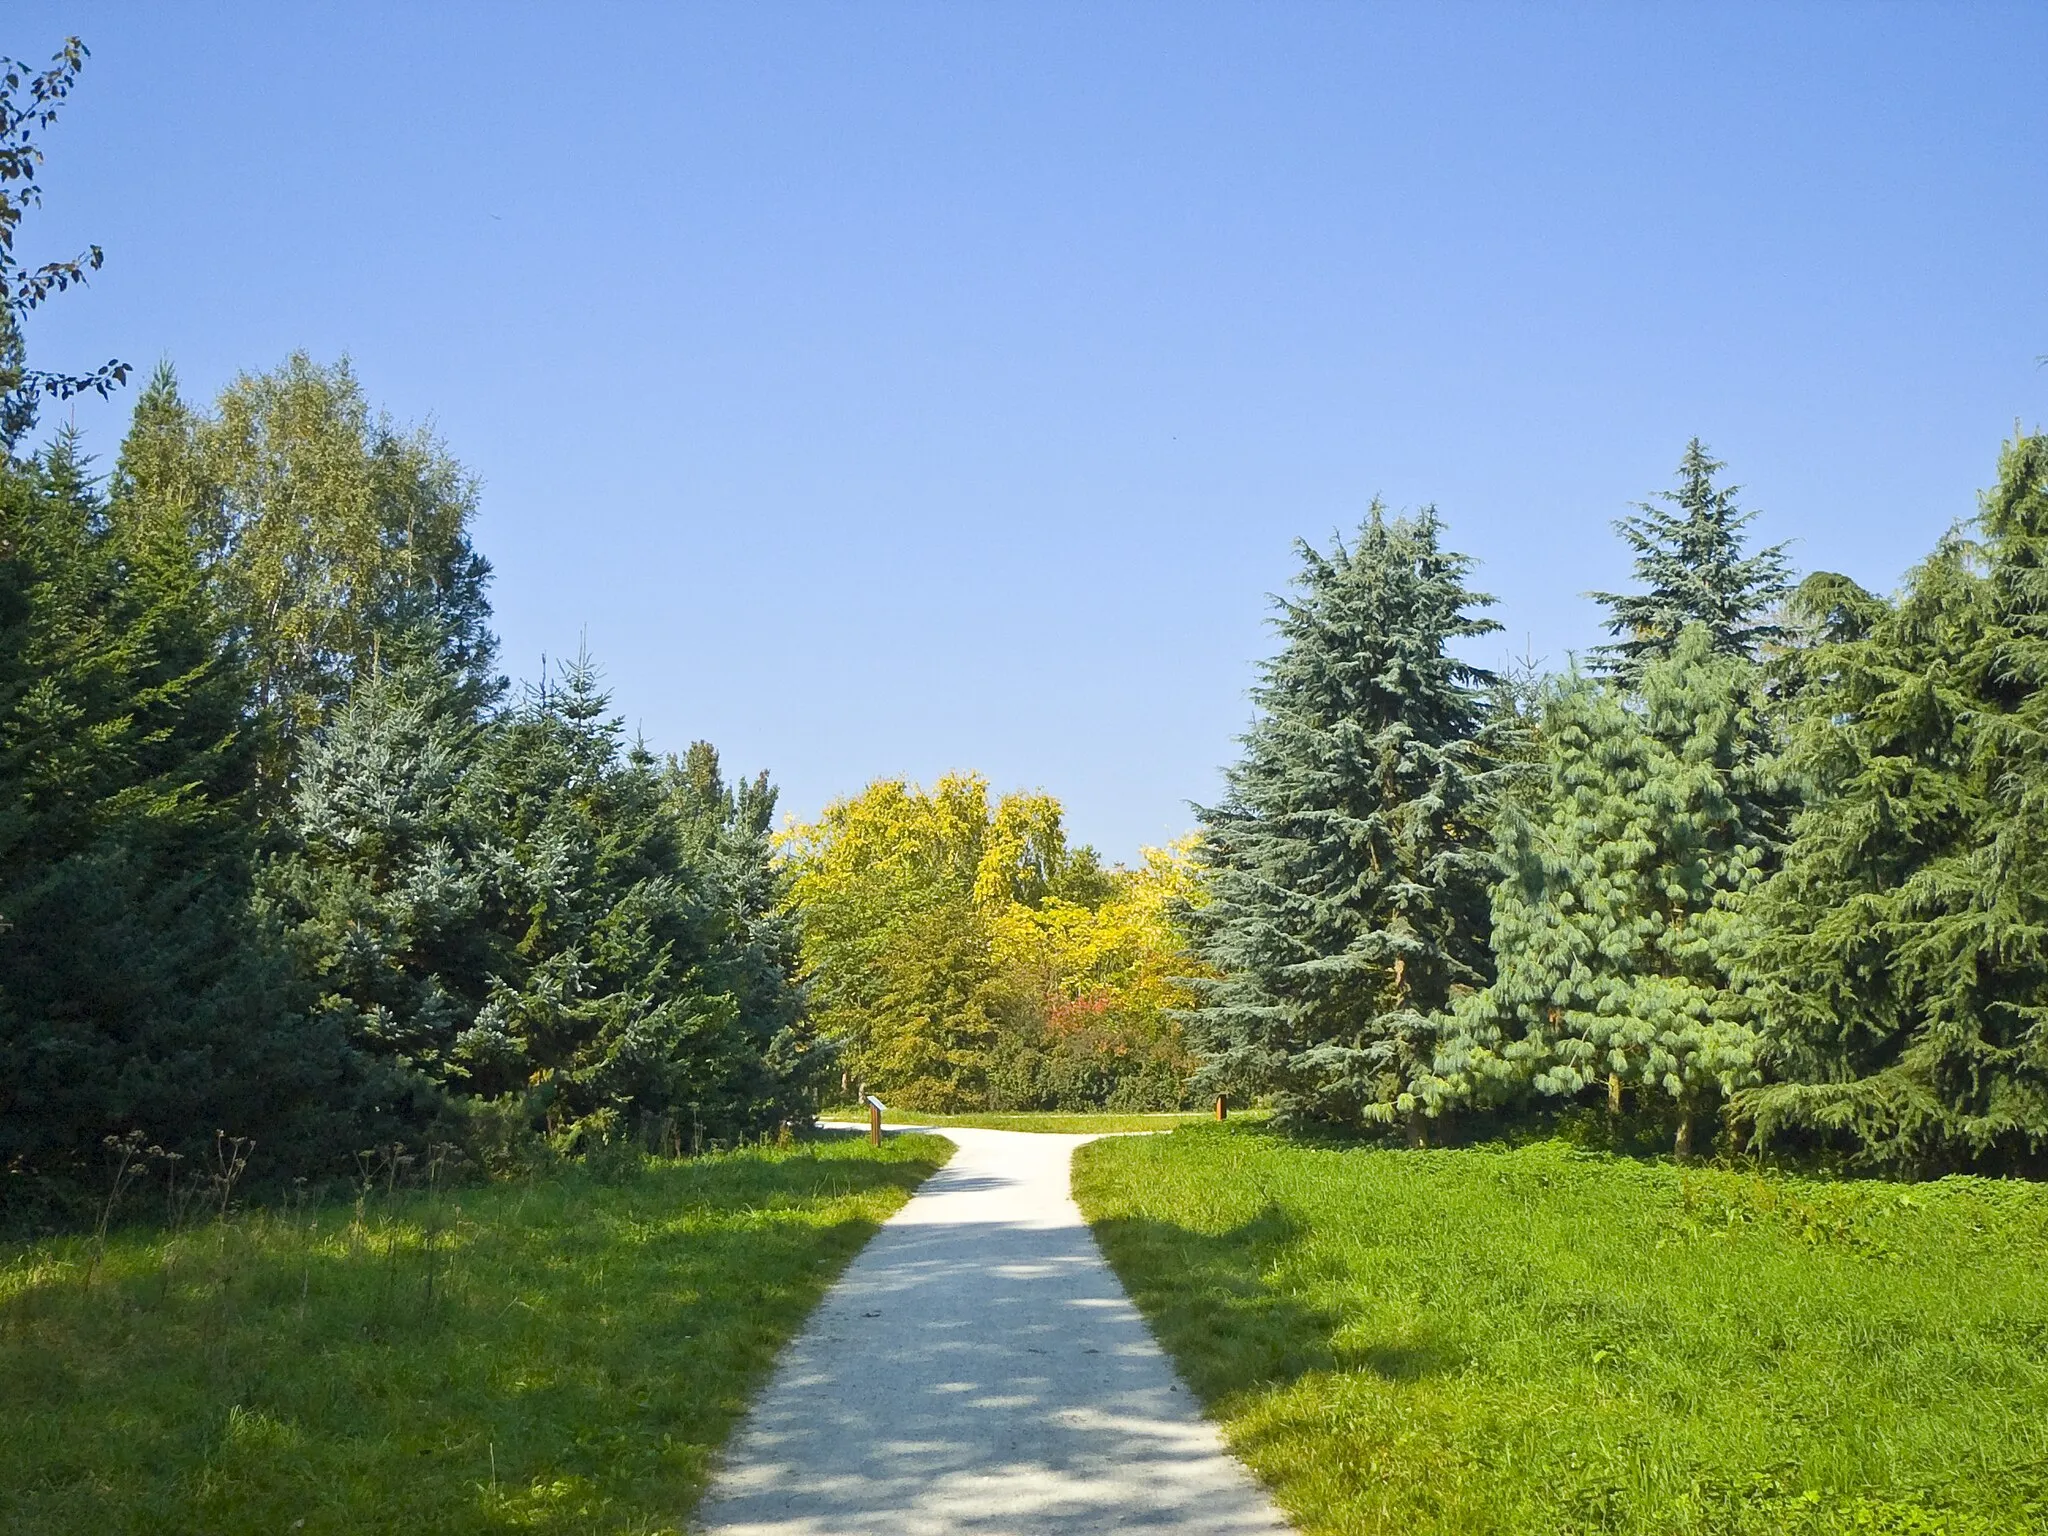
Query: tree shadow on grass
(1212, 1301)
(1207, 1298)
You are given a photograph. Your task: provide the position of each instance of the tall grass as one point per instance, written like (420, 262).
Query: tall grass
(1549, 1340)
(558, 1354)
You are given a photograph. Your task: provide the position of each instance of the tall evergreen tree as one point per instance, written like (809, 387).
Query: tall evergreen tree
(136, 991)
(1689, 559)
(1901, 955)
(1347, 866)
(729, 828)
(1619, 908)
(383, 876)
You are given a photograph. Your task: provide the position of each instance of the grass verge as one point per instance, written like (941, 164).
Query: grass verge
(1543, 1340)
(1049, 1122)
(564, 1354)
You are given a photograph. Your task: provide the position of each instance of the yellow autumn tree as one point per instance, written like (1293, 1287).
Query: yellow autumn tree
(965, 956)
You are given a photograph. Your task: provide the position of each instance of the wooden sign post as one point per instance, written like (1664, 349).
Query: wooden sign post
(875, 1108)
(1221, 1113)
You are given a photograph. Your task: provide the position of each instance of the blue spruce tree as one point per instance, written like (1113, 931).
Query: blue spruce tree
(1348, 864)
(1689, 558)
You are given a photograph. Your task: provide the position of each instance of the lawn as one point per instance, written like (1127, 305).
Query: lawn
(559, 1354)
(1547, 1340)
(1049, 1122)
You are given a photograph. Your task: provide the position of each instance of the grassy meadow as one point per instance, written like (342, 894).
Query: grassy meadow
(1540, 1339)
(563, 1353)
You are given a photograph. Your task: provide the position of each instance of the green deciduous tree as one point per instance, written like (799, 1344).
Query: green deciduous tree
(899, 888)
(1900, 957)
(338, 543)
(1689, 559)
(963, 956)
(1348, 866)
(1619, 906)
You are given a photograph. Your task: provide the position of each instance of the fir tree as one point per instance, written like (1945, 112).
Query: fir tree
(383, 878)
(137, 992)
(1901, 955)
(630, 993)
(1618, 911)
(1689, 558)
(730, 829)
(1347, 866)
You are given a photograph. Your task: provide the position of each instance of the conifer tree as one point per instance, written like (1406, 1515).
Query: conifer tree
(1689, 559)
(1900, 957)
(1347, 867)
(631, 994)
(136, 990)
(1619, 908)
(384, 877)
(490, 903)
(730, 829)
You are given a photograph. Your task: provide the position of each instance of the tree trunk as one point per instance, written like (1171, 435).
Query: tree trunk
(1681, 1147)
(1614, 1094)
(1418, 1129)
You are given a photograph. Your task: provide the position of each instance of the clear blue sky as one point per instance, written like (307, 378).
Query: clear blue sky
(891, 388)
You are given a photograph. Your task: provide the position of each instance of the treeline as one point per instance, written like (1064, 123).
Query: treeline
(281, 855)
(1775, 863)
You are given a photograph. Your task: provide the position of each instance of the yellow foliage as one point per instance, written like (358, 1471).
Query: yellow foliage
(964, 954)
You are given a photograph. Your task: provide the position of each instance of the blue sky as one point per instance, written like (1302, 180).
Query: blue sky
(902, 388)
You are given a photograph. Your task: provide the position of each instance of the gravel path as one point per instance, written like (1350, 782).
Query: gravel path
(979, 1369)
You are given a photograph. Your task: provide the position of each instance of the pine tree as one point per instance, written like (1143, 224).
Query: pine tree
(1689, 558)
(137, 991)
(1619, 908)
(730, 830)
(1347, 866)
(1901, 955)
(383, 878)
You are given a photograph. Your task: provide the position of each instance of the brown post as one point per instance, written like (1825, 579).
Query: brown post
(874, 1124)
(1222, 1111)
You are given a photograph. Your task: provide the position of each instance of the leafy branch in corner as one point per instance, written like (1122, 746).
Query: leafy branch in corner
(29, 103)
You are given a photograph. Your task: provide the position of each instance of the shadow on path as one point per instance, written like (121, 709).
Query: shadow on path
(979, 1369)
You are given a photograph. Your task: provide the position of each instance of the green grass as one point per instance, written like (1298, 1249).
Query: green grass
(1544, 1340)
(1049, 1122)
(563, 1354)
